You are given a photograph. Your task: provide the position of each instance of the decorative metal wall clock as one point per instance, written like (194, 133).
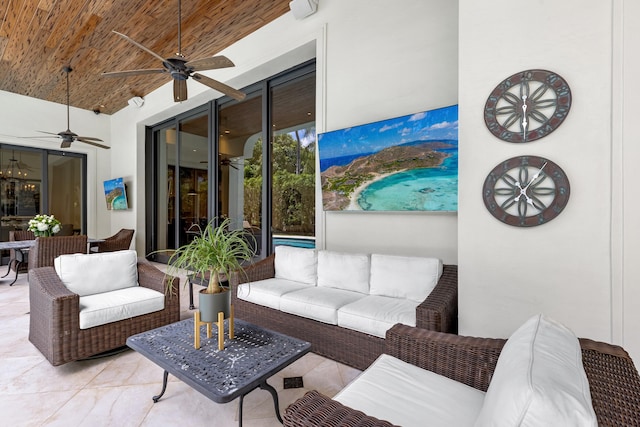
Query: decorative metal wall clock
(527, 106)
(526, 191)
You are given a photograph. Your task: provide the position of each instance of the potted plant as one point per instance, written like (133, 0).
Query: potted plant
(216, 250)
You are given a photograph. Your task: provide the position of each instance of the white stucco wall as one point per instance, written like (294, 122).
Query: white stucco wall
(579, 268)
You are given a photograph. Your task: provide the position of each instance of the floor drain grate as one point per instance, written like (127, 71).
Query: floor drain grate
(293, 382)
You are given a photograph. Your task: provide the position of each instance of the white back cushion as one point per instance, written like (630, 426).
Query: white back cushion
(539, 380)
(403, 276)
(296, 264)
(344, 271)
(89, 274)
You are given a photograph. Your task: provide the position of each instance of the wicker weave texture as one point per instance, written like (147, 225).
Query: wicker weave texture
(316, 409)
(340, 344)
(613, 379)
(118, 242)
(46, 249)
(54, 320)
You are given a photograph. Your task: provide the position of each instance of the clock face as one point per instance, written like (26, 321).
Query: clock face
(526, 191)
(527, 106)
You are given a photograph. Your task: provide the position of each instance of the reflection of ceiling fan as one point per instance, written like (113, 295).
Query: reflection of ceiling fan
(228, 162)
(180, 69)
(67, 136)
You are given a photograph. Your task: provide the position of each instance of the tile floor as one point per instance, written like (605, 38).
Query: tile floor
(117, 390)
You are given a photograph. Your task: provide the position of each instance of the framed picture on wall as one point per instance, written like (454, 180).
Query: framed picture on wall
(407, 163)
(115, 194)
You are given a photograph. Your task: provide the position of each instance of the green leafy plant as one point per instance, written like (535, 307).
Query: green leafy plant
(215, 250)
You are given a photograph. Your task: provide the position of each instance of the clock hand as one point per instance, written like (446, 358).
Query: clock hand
(524, 190)
(535, 176)
(524, 117)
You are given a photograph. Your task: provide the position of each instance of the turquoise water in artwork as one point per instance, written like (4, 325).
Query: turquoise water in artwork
(426, 189)
(119, 202)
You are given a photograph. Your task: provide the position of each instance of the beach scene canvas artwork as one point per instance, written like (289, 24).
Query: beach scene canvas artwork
(407, 163)
(115, 194)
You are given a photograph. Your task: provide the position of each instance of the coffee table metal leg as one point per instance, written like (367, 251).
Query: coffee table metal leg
(265, 386)
(164, 387)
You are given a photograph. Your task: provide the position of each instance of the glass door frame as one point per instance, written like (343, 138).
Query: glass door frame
(44, 181)
(263, 89)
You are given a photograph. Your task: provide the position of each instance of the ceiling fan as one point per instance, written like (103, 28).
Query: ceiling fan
(181, 69)
(67, 136)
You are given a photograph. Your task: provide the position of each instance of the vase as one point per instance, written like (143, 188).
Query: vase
(211, 304)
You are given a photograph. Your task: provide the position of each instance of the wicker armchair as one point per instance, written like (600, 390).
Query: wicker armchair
(118, 242)
(47, 249)
(613, 379)
(54, 316)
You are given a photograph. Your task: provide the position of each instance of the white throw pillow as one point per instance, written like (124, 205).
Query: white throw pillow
(344, 271)
(539, 380)
(296, 264)
(403, 276)
(89, 274)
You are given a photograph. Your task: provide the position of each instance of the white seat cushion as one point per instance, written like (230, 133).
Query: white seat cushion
(317, 303)
(406, 395)
(296, 264)
(88, 274)
(404, 276)
(539, 380)
(268, 292)
(349, 271)
(374, 314)
(108, 307)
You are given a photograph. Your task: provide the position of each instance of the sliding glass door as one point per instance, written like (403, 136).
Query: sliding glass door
(251, 161)
(181, 181)
(35, 181)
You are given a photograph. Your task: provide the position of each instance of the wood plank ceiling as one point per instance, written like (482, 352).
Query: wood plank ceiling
(39, 37)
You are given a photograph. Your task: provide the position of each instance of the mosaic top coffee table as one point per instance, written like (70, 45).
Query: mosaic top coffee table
(244, 364)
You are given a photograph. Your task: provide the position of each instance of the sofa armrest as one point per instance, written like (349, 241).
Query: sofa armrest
(614, 383)
(468, 360)
(263, 269)
(151, 277)
(316, 409)
(439, 312)
(54, 313)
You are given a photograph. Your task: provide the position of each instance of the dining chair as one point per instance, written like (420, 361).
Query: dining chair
(18, 258)
(118, 242)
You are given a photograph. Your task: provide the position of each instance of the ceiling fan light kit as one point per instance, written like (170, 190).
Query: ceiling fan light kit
(180, 69)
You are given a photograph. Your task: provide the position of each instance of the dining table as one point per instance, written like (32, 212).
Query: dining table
(22, 251)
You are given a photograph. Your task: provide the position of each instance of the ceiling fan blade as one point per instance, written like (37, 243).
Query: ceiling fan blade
(48, 133)
(220, 87)
(179, 90)
(149, 51)
(127, 73)
(88, 140)
(65, 144)
(38, 137)
(210, 63)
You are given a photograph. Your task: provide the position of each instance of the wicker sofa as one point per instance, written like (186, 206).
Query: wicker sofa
(56, 326)
(437, 312)
(613, 381)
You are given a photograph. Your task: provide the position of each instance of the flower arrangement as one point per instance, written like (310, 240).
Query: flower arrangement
(44, 225)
